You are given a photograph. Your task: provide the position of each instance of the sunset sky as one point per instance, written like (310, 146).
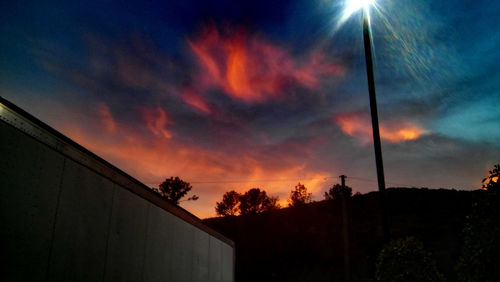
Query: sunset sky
(241, 94)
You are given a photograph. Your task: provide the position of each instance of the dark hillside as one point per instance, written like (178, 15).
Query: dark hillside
(305, 243)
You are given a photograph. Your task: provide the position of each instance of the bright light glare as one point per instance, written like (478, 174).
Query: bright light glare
(352, 6)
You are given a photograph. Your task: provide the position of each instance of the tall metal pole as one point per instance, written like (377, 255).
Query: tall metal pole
(373, 108)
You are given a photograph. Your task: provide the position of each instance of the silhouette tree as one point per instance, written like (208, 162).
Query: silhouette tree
(299, 196)
(230, 204)
(491, 182)
(337, 192)
(256, 201)
(271, 203)
(174, 189)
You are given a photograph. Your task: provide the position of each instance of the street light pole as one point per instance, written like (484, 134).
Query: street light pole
(373, 108)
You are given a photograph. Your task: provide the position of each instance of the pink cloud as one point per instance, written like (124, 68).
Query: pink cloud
(195, 100)
(156, 121)
(252, 70)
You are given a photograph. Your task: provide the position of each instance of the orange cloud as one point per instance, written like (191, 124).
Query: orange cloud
(359, 126)
(252, 70)
(402, 132)
(156, 121)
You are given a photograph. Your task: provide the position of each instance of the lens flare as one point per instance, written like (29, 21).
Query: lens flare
(352, 6)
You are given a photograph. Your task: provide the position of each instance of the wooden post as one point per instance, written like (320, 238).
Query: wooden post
(345, 228)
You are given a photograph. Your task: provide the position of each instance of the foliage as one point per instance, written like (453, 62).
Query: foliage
(337, 192)
(192, 198)
(491, 182)
(256, 201)
(271, 203)
(229, 205)
(174, 189)
(481, 235)
(251, 202)
(406, 260)
(299, 196)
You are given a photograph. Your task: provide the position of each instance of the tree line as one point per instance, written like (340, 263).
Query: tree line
(256, 200)
(253, 201)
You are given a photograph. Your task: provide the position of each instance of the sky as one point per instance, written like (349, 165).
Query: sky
(232, 95)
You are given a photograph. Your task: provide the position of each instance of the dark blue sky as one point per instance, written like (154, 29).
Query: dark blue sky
(252, 91)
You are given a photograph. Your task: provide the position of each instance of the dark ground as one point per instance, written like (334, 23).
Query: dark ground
(305, 243)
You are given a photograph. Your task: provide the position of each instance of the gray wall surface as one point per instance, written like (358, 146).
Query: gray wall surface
(63, 221)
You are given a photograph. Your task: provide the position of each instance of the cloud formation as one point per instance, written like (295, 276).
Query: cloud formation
(230, 120)
(250, 69)
(262, 99)
(156, 121)
(359, 126)
(157, 156)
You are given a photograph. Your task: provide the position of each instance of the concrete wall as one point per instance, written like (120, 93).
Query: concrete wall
(66, 215)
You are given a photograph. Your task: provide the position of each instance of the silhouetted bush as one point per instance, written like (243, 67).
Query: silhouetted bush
(406, 260)
(256, 201)
(253, 201)
(299, 196)
(337, 192)
(230, 204)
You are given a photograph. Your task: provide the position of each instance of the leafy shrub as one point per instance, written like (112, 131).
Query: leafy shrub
(406, 260)
(480, 256)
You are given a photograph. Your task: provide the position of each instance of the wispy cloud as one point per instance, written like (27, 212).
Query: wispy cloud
(359, 126)
(157, 121)
(104, 114)
(251, 69)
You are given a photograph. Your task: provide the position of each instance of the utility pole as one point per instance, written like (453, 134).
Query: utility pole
(345, 227)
